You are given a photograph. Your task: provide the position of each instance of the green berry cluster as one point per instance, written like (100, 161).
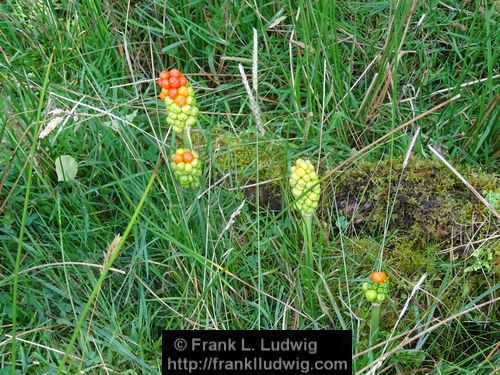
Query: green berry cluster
(186, 165)
(376, 292)
(302, 178)
(180, 116)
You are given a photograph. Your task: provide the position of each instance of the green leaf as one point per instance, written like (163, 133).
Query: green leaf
(342, 222)
(66, 168)
(172, 48)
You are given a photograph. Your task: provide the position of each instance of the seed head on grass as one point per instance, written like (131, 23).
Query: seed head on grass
(304, 178)
(110, 250)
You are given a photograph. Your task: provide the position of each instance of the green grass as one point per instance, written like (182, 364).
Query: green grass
(333, 78)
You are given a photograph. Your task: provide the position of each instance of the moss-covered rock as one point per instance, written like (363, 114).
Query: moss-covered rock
(425, 202)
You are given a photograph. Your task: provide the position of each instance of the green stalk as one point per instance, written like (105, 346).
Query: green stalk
(106, 268)
(308, 250)
(374, 327)
(24, 215)
(186, 138)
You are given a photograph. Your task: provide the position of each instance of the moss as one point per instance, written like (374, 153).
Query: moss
(402, 256)
(431, 203)
(236, 154)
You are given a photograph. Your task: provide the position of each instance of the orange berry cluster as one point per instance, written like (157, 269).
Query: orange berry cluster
(186, 165)
(180, 100)
(170, 82)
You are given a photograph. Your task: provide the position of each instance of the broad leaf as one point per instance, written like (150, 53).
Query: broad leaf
(66, 168)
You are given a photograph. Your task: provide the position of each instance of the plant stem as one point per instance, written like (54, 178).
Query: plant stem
(309, 258)
(25, 214)
(374, 328)
(186, 137)
(108, 265)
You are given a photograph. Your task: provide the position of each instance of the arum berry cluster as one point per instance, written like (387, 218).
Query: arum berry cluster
(377, 288)
(182, 112)
(305, 188)
(186, 165)
(180, 100)
(305, 184)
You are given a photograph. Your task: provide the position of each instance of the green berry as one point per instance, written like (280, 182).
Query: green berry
(181, 117)
(371, 295)
(187, 168)
(303, 178)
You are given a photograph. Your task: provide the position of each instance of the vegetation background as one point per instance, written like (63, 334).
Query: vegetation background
(333, 77)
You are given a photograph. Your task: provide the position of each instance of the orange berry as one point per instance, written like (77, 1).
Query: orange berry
(172, 93)
(183, 81)
(177, 158)
(378, 277)
(188, 157)
(163, 95)
(175, 73)
(160, 82)
(183, 90)
(180, 100)
(164, 74)
(174, 82)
